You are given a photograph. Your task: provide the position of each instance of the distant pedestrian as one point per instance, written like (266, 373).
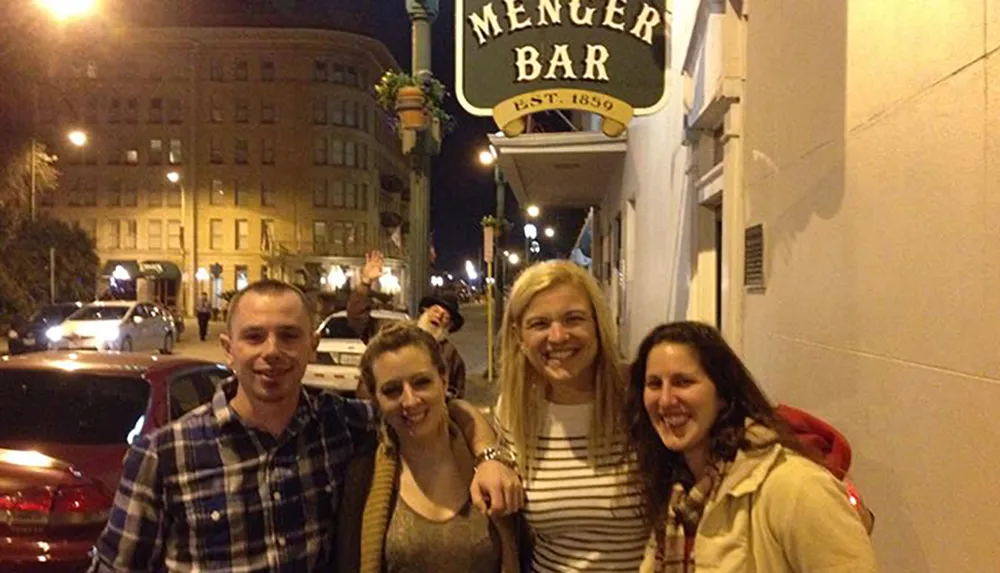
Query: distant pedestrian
(204, 313)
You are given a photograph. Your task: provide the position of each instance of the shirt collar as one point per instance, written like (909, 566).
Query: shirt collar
(225, 414)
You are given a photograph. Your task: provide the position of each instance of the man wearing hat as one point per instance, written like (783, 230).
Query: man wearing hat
(439, 316)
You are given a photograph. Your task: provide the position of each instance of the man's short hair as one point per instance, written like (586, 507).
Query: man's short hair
(267, 287)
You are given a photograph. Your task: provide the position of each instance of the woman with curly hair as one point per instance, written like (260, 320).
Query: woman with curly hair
(728, 486)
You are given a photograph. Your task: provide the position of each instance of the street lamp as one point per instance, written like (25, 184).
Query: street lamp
(486, 157)
(550, 232)
(530, 234)
(533, 211)
(514, 259)
(174, 178)
(76, 137)
(68, 9)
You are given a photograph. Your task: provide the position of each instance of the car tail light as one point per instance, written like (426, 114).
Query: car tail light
(36, 508)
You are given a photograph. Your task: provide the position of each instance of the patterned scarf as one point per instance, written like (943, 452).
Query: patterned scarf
(675, 552)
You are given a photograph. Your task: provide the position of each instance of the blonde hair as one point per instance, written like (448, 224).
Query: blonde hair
(522, 390)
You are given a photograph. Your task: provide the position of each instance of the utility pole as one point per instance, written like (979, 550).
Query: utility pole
(422, 14)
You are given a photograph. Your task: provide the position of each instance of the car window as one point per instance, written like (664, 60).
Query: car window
(79, 408)
(217, 375)
(337, 327)
(100, 313)
(189, 390)
(139, 310)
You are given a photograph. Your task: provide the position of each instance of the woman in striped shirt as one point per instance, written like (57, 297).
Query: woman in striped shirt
(561, 395)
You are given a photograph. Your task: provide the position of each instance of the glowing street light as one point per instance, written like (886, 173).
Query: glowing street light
(533, 211)
(530, 231)
(470, 270)
(68, 9)
(173, 177)
(513, 259)
(550, 232)
(486, 158)
(77, 138)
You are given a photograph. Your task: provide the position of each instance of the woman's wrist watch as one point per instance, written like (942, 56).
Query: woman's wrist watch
(495, 454)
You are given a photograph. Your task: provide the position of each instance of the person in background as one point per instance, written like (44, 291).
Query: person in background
(204, 312)
(729, 487)
(250, 482)
(562, 390)
(406, 506)
(439, 316)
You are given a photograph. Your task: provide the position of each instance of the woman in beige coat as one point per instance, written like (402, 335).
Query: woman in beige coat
(406, 508)
(729, 488)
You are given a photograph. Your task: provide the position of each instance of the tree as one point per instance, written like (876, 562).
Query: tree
(15, 180)
(24, 276)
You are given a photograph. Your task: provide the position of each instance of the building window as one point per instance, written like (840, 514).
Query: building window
(154, 238)
(114, 196)
(175, 152)
(338, 152)
(267, 235)
(350, 114)
(266, 194)
(319, 150)
(241, 152)
(338, 194)
(154, 193)
(130, 194)
(359, 234)
(217, 115)
(174, 234)
(218, 72)
(351, 76)
(242, 234)
(174, 196)
(362, 156)
(218, 192)
(132, 110)
(337, 115)
(338, 74)
(114, 110)
(319, 193)
(129, 234)
(242, 114)
(215, 151)
(89, 226)
(113, 237)
(349, 235)
(242, 70)
(319, 110)
(338, 237)
(266, 111)
(319, 70)
(267, 71)
(175, 111)
(350, 154)
(242, 277)
(90, 192)
(350, 196)
(319, 236)
(363, 197)
(239, 193)
(156, 110)
(155, 151)
(267, 151)
(215, 239)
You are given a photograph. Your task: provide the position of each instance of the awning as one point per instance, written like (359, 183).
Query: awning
(128, 269)
(568, 169)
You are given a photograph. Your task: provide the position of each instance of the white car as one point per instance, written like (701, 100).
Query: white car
(339, 354)
(114, 325)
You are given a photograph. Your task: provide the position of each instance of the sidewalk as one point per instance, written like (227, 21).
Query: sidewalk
(480, 392)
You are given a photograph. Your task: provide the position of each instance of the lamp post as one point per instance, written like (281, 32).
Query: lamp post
(174, 178)
(533, 211)
(530, 234)
(76, 137)
(488, 157)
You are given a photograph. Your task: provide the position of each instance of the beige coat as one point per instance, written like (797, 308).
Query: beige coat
(777, 512)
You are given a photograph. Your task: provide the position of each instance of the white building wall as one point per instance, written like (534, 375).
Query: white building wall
(872, 154)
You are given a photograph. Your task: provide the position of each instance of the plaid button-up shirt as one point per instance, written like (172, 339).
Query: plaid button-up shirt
(209, 493)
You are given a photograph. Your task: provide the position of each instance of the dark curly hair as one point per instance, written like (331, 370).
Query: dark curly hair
(741, 397)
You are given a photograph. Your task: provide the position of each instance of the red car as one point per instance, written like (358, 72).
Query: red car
(68, 419)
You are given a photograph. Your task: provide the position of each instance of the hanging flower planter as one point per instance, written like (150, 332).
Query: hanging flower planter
(410, 108)
(414, 102)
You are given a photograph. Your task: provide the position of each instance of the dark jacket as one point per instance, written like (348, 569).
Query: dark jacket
(359, 307)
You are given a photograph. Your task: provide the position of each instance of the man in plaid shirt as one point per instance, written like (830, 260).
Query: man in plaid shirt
(251, 482)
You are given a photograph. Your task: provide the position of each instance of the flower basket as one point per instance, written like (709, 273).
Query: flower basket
(410, 108)
(414, 101)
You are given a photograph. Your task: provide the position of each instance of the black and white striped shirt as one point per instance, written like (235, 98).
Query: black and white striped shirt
(585, 516)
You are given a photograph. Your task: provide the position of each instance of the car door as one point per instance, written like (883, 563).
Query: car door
(143, 328)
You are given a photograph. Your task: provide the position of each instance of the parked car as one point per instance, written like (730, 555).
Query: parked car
(115, 325)
(29, 335)
(68, 419)
(339, 353)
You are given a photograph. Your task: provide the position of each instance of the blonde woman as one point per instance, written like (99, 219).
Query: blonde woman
(562, 391)
(407, 508)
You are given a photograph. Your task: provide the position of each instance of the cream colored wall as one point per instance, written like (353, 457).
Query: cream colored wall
(872, 155)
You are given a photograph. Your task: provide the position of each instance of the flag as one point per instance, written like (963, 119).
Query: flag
(397, 236)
